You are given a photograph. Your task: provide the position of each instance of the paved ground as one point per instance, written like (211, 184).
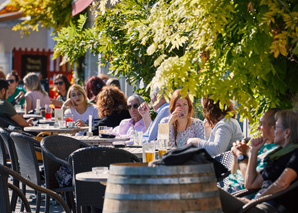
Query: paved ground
(54, 207)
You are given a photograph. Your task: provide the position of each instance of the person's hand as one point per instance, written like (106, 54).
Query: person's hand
(30, 121)
(144, 109)
(175, 115)
(240, 148)
(69, 103)
(193, 141)
(80, 123)
(257, 143)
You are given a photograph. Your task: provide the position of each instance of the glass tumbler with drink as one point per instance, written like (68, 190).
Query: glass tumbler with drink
(48, 112)
(148, 152)
(162, 139)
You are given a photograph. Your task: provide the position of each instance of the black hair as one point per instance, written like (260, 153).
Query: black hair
(3, 84)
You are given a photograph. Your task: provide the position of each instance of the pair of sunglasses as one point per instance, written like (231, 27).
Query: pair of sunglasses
(135, 106)
(11, 81)
(59, 83)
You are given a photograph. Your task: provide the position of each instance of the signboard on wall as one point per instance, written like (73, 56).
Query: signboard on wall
(34, 63)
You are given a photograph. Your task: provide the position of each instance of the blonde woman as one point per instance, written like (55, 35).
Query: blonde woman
(34, 92)
(80, 109)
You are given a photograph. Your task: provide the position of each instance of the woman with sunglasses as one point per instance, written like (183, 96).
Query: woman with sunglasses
(112, 108)
(15, 94)
(62, 85)
(80, 108)
(135, 123)
(182, 125)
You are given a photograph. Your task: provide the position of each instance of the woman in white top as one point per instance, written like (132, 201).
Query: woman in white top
(80, 108)
(182, 125)
(34, 92)
(224, 131)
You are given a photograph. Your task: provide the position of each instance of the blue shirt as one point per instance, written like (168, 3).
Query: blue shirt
(152, 131)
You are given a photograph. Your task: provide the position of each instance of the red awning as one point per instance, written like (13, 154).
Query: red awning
(79, 5)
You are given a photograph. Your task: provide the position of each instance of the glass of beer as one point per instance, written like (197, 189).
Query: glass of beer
(149, 152)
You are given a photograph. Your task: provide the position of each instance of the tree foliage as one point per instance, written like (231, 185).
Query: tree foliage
(234, 50)
(47, 13)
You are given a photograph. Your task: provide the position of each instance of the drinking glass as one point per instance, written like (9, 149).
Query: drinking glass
(48, 112)
(137, 138)
(162, 147)
(148, 152)
(68, 118)
(101, 130)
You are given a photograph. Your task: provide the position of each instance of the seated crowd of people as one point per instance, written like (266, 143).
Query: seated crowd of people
(268, 162)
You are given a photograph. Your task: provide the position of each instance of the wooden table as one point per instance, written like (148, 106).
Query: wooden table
(55, 130)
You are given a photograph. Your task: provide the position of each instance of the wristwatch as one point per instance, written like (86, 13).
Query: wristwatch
(240, 158)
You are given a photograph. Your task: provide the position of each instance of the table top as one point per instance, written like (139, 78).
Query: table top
(25, 116)
(96, 140)
(46, 121)
(54, 129)
(92, 177)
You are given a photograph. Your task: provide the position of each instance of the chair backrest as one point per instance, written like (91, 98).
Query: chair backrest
(2, 152)
(55, 152)
(4, 195)
(82, 160)
(11, 149)
(27, 158)
(226, 159)
(5, 122)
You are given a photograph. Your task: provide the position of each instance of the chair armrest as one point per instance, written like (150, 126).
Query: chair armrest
(38, 188)
(21, 195)
(244, 192)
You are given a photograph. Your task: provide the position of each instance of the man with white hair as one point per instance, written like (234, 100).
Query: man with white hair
(161, 107)
(135, 123)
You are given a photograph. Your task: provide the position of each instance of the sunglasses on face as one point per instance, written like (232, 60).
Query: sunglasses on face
(135, 106)
(59, 83)
(11, 81)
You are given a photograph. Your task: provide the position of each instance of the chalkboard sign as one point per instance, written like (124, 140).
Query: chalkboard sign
(34, 63)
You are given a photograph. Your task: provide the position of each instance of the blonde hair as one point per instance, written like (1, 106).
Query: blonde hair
(80, 89)
(32, 82)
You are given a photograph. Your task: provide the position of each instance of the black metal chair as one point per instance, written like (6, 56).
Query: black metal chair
(55, 152)
(14, 164)
(3, 155)
(28, 164)
(91, 193)
(5, 205)
(5, 122)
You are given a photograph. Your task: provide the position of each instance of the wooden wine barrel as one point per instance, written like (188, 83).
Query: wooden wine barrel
(135, 187)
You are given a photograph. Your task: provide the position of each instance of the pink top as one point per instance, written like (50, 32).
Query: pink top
(34, 95)
(126, 128)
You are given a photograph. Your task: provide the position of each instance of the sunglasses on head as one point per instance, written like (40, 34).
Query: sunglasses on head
(11, 81)
(135, 106)
(59, 83)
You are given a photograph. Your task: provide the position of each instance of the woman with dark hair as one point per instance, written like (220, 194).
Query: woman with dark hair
(93, 87)
(112, 107)
(15, 94)
(224, 132)
(62, 85)
(182, 125)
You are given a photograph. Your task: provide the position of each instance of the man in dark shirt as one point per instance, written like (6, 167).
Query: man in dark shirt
(6, 109)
